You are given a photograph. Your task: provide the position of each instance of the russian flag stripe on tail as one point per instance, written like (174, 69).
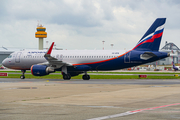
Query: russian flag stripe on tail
(152, 38)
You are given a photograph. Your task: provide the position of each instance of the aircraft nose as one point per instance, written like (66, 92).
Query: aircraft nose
(4, 62)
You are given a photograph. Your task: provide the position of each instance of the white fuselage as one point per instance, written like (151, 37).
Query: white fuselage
(25, 59)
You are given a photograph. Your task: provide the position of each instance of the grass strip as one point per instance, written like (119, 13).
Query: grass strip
(55, 76)
(135, 72)
(146, 72)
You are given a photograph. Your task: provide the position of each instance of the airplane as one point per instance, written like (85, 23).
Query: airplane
(75, 62)
(176, 68)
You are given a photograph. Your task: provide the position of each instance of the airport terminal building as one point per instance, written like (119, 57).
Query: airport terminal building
(173, 49)
(4, 54)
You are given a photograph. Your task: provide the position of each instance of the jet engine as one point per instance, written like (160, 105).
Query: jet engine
(41, 70)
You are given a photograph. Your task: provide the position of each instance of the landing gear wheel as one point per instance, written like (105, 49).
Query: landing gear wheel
(22, 77)
(23, 72)
(85, 77)
(66, 76)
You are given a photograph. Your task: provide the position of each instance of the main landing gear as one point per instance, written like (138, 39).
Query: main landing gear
(23, 72)
(66, 76)
(86, 77)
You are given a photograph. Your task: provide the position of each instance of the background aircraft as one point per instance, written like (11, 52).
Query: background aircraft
(74, 62)
(176, 68)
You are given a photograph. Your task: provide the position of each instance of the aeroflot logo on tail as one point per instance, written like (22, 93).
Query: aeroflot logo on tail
(158, 33)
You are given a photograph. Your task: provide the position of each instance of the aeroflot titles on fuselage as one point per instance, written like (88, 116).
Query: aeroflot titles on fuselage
(30, 54)
(45, 52)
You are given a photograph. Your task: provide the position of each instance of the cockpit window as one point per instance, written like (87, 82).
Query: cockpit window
(10, 56)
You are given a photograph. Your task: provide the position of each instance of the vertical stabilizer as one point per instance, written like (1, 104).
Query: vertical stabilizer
(152, 38)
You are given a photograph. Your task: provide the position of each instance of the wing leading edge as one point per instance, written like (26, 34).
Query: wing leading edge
(54, 61)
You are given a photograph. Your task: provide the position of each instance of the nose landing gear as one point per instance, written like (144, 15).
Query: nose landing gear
(23, 72)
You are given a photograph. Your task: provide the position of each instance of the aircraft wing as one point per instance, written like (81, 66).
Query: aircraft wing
(53, 61)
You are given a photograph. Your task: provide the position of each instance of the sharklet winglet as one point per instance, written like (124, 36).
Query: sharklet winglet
(50, 49)
(48, 53)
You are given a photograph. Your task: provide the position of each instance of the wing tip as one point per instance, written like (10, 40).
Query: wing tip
(50, 48)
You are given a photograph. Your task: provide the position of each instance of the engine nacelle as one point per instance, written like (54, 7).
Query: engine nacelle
(41, 70)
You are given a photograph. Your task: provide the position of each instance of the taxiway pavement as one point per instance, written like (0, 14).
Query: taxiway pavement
(44, 99)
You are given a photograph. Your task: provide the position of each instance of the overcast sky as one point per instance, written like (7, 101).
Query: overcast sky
(84, 24)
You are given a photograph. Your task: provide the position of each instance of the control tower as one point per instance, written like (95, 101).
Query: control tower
(41, 34)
